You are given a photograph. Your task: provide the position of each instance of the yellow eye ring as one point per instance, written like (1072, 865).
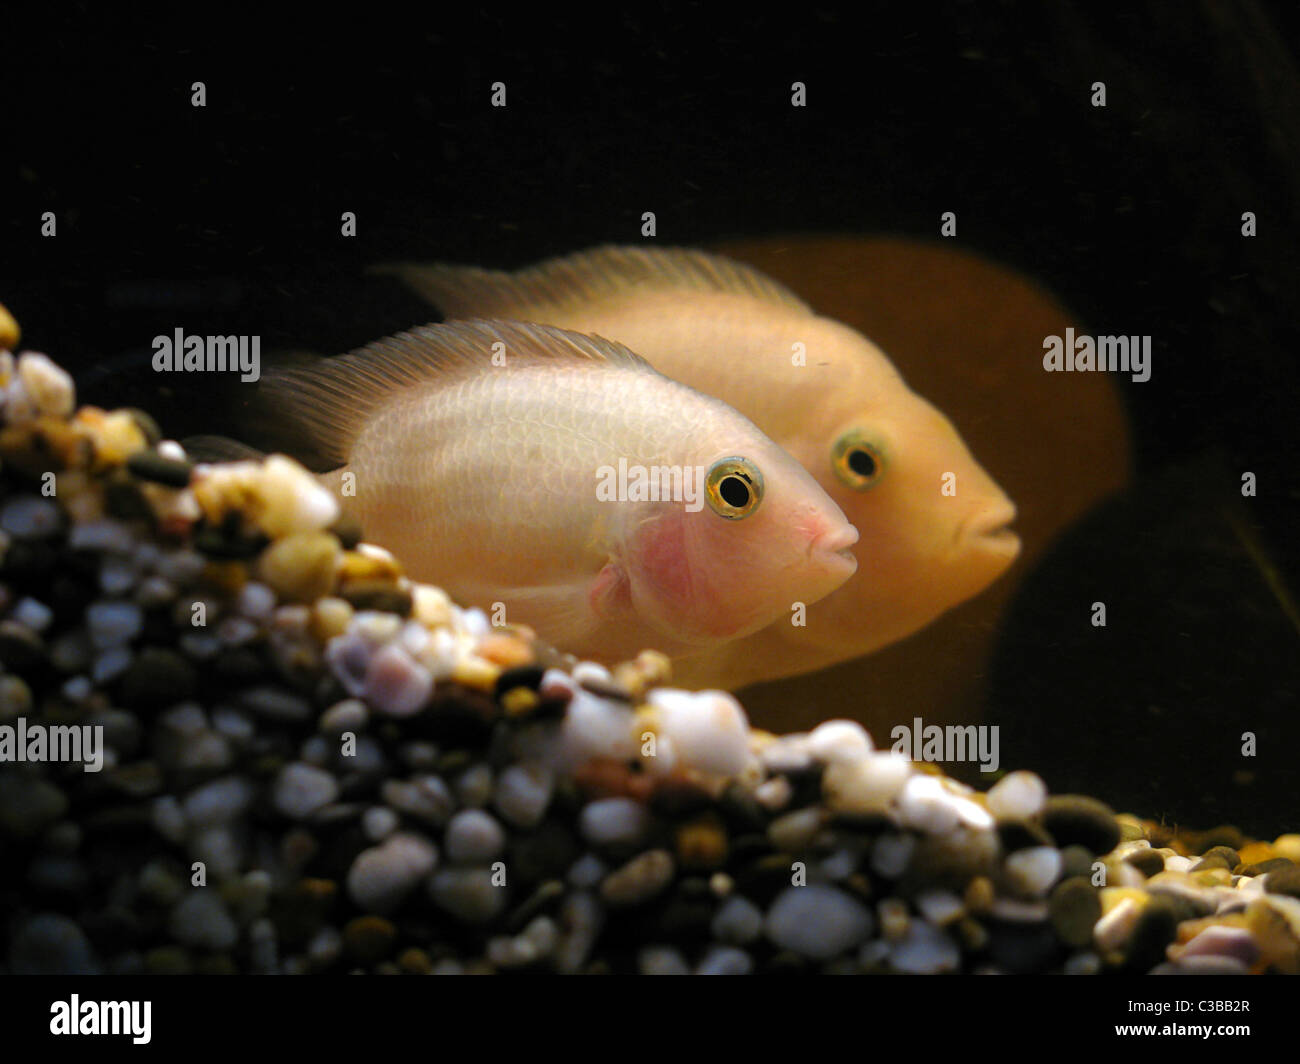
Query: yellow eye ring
(733, 487)
(857, 460)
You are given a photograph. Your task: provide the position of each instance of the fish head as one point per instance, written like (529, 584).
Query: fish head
(761, 538)
(934, 526)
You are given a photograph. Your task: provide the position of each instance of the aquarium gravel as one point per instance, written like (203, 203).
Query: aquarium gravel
(296, 760)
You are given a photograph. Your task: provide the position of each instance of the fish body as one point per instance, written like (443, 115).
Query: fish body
(933, 524)
(604, 505)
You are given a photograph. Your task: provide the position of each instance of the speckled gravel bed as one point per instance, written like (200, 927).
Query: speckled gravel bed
(311, 764)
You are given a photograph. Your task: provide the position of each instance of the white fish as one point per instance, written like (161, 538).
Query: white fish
(934, 525)
(489, 456)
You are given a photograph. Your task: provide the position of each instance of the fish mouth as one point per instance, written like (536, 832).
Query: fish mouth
(991, 530)
(839, 542)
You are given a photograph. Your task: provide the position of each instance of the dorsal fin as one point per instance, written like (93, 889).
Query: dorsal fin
(325, 405)
(587, 276)
(219, 449)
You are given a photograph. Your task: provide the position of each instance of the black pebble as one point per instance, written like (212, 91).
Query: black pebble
(1077, 819)
(1148, 862)
(150, 465)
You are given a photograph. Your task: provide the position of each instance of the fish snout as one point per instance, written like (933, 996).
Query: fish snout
(990, 530)
(833, 548)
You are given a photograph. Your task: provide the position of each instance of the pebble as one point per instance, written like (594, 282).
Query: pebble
(737, 922)
(1220, 941)
(427, 798)
(382, 877)
(293, 500)
(707, 730)
(839, 740)
(468, 894)
(596, 728)
(939, 907)
(817, 921)
(925, 950)
(217, 802)
(112, 623)
(349, 715)
(1114, 929)
(474, 837)
(378, 822)
(395, 685)
(474, 786)
(51, 944)
(795, 831)
(47, 385)
(725, 960)
(587, 871)
(661, 960)
(301, 790)
(201, 920)
(1032, 871)
(639, 880)
(613, 821)
(866, 786)
(894, 918)
(30, 517)
(523, 792)
(29, 805)
(1074, 909)
(1017, 796)
(1075, 819)
(301, 566)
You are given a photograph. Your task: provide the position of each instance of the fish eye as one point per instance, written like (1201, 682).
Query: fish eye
(734, 488)
(857, 460)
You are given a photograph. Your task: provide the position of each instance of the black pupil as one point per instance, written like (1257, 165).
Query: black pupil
(862, 463)
(734, 491)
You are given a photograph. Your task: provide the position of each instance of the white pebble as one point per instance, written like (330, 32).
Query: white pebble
(940, 907)
(597, 728)
(708, 730)
(817, 921)
(925, 950)
(49, 386)
(474, 837)
(201, 920)
(737, 922)
(395, 685)
(774, 794)
(113, 623)
(523, 792)
(301, 790)
(218, 802)
(865, 786)
(608, 821)
(891, 853)
(839, 740)
(1113, 929)
(255, 601)
(1017, 796)
(32, 614)
(378, 822)
(102, 535)
(1034, 869)
(294, 501)
(28, 517)
(725, 960)
(381, 877)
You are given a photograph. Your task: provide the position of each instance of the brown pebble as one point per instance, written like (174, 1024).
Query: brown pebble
(369, 938)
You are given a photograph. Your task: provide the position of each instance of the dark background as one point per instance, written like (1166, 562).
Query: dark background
(226, 219)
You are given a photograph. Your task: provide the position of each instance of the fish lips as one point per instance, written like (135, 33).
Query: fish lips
(990, 530)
